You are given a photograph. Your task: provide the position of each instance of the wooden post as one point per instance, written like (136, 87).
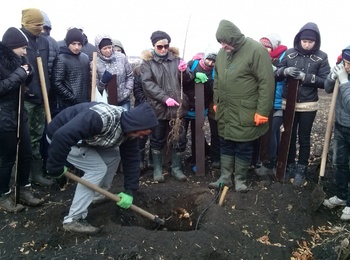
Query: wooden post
(200, 144)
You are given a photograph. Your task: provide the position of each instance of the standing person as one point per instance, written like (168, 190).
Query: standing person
(71, 81)
(273, 45)
(307, 63)
(243, 96)
(14, 72)
(109, 63)
(38, 46)
(118, 46)
(341, 147)
(161, 70)
(89, 135)
(202, 69)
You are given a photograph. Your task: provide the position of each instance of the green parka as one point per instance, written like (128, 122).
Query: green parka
(243, 85)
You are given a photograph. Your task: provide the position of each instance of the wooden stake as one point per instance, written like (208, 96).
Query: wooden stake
(223, 194)
(93, 75)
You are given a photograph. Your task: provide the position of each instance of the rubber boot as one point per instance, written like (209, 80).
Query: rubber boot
(26, 197)
(226, 170)
(300, 175)
(241, 169)
(7, 204)
(176, 166)
(290, 172)
(157, 166)
(36, 174)
(264, 171)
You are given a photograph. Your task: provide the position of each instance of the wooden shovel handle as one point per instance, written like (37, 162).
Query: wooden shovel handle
(93, 75)
(43, 89)
(329, 128)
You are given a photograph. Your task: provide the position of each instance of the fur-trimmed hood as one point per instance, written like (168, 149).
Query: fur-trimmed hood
(149, 53)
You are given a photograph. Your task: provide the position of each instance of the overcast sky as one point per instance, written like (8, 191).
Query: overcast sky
(133, 21)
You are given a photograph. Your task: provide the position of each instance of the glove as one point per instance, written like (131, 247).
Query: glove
(57, 174)
(214, 108)
(170, 102)
(182, 66)
(301, 76)
(201, 77)
(291, 71)
(106, 77)
(258, 119)
(333, 75)
(125, 200)
(341, 73)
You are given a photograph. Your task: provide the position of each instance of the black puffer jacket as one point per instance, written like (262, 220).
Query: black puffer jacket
(12, 76)
(37, 46)
(71, 81)
(313, 63)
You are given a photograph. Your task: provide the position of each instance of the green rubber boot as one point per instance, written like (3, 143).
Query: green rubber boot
(241, 169)
(157, 166)
(176, 166)
(226, 170)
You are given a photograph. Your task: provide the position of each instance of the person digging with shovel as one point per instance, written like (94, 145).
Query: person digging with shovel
(89, 136)
(341, 134)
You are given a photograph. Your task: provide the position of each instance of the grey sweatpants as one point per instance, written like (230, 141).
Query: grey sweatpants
(99, 165)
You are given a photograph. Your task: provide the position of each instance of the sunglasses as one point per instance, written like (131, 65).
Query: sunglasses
(160, 47)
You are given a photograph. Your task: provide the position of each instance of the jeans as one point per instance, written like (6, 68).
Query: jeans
(214, 140)
(302, 126)
(125, 103)
(241, 150)
(275, 138)
(341, 153)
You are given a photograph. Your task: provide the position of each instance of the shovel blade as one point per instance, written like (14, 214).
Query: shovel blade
(317, 197)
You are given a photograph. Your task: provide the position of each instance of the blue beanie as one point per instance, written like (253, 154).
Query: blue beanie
(138, 118)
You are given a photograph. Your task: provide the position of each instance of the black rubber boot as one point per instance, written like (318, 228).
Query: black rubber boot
(36, 174)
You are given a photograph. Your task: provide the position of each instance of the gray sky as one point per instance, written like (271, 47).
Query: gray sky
(133, 21)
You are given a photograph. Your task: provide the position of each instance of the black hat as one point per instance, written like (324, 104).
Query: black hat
(159, 35)
(138, 118)
(308, 35)
(105, 42)
(211, 56)
(14, 38)
(74, 35)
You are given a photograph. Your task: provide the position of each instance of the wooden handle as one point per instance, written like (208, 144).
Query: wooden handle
(223, 194)
(43, 89)
(112, 196)
(93, 75)
(329, 128)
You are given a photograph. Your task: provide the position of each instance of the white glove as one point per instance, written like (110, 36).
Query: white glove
(341, 73)
(333, 75)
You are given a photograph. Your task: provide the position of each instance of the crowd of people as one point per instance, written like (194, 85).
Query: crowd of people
(245, 93)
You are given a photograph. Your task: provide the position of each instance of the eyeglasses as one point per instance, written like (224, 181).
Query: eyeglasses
(160, 47)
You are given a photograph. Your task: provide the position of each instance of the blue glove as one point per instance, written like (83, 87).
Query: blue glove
(57, 174)
(106, 77)
(125, 200)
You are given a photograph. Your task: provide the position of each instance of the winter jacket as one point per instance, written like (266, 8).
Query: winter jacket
(54, 51)
(92, 124)
(161, 80)
(118, 65)
(313, 63)
(342, 109)
(12, 76)
(243, 85)
(37, 46)
(71, 81)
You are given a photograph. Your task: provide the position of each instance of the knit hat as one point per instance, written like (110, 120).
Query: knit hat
(32, 16)
(138, 118)
(308, 35)
(266, 43)
(47, 22)
(105, 42)
(14, 38)
(74, 35)
(159, 35)
(210, 56)
(346, 54)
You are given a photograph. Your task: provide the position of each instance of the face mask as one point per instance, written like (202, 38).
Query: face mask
(34, 28)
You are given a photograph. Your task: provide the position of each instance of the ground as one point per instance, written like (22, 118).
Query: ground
(271, 221)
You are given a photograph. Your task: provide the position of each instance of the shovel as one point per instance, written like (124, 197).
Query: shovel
(114, 197)
(318, 195)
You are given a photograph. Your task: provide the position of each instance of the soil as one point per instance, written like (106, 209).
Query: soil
(271, 221)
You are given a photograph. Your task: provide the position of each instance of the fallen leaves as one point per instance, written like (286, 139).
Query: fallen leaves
(266, 240)
(303, 252)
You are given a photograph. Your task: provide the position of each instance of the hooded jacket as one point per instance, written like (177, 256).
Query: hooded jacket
(161, 80)
(313, 63)
(118, 65)
(243, 85)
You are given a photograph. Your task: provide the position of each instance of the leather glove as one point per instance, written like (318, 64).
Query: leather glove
(291, 71)
(201, 77)
(214, 108)
(301, 76)
(57, 174)
(259, 119)
(106, 77)
(341, 73)
(125, 200)
(182, 66)
(170, 102)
